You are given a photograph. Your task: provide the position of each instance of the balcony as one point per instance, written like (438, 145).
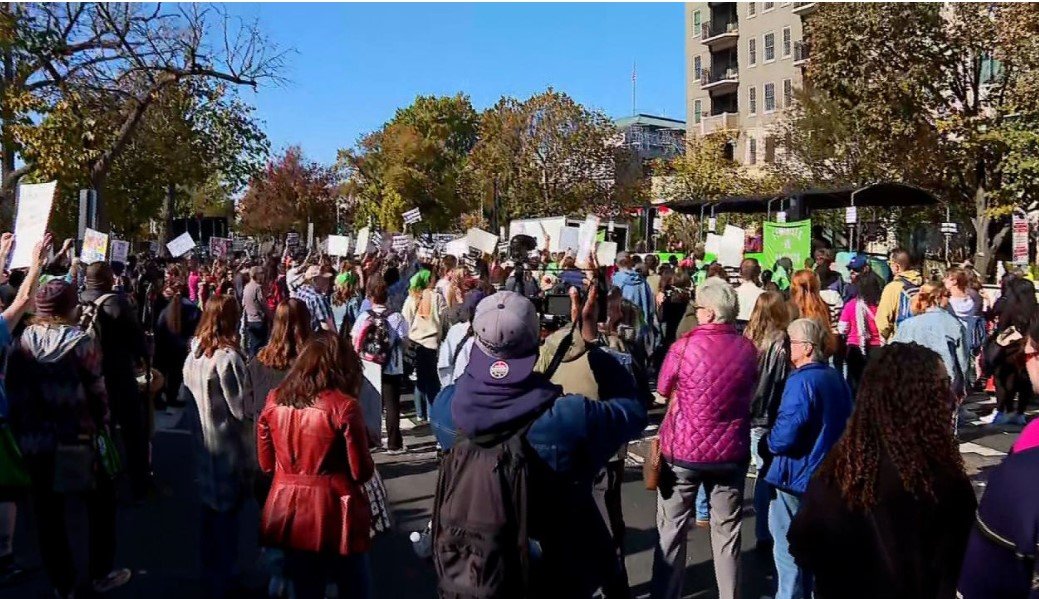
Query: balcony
(801, 52)
(721, 81)
(726, 121)
(720, 35)
(804, 8)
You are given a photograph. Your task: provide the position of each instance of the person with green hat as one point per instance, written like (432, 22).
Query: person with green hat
(422, 311)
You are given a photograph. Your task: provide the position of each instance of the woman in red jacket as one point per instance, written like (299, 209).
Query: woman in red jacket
(311, 436)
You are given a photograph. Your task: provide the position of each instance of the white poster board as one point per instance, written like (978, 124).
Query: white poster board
(538, 228)
(30, 225)
(120, 250)
(713, 244)
(338, 245)
(95, 247)
(181, 245)
(586, 239)
(606, 253)
(569, 239)
(730, 252)
(481, 240)
(457, 248)
(362, 241)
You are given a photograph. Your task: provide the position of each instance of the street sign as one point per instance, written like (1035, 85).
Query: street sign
(851, 215)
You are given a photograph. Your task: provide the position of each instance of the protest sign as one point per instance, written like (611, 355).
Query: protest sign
(338, 245)
(791, 240)
(730, 251)
(586, 238)
(412, 216)
(482, 240)
(503, 249)
(362, 241)
(120, 250)
(181, 245)
(539, 229)
(1019, 237)
(457, 248)
(569, 239)
(606, 253)
(153, 247)
(401, 243)
(310, 235)
(713, 244)
(219, 247)
(292, 240)
(95, 247)
(30, 224)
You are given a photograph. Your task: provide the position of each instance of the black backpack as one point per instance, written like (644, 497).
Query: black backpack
(481, 540)
(90, 317)
(376, 340)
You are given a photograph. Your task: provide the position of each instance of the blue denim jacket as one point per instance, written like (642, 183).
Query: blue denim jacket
(938, 330)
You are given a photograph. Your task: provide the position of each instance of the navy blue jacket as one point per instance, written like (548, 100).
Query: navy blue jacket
(814, 409)
(1001, 551)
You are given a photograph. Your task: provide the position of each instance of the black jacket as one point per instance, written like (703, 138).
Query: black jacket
(122, 339)
(773, 368)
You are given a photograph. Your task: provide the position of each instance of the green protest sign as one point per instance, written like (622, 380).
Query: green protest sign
(790, 240)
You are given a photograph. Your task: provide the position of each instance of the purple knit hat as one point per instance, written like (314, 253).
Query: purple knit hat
(56, 298)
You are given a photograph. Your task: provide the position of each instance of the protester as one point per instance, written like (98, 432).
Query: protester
(313, 292)
(749, 289)
(113, 320)
(887, 514)
(896, 299)
(962, 301)
(257, 315)
(1017, 311)
(501, 396)
(1001, 552)
(422, 312)
(174, 330)
(311, 436)
(635, 289)
(672, 301)
(453, 354)
(652, 263)
(933, 327)
(767, 330)
(217, 383)
(58, 410)
(709, 376)
(858, 323)
(808, 303)
(385, 338)
(812, 415)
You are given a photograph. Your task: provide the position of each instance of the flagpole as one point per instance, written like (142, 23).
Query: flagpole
(633, 78)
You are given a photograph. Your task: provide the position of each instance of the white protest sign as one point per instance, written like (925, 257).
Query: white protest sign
(402, 243)
(586, 238)
(120, 250)
(481, 240)
(181, 245)
(569, 239)
(540, 228)
(95, 247)
(338, 245)
(457, 248)
(606, 253)
(713, 244)
(310, 235)
(30, 225)
(362, 241)
(730, 253)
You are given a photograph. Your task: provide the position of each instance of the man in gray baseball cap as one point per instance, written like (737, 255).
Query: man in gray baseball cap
(572, 437)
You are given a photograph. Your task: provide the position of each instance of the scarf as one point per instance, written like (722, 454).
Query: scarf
(482, 407)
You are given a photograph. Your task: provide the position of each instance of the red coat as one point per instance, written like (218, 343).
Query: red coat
(319, 457)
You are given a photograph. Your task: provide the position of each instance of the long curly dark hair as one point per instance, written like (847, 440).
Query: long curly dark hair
(903, 412)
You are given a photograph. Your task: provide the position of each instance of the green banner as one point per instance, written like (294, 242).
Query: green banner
(790, 240)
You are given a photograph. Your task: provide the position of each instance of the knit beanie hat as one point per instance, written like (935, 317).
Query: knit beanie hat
(56, 298)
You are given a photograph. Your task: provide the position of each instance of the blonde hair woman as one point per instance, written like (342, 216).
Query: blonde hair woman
(933, 327)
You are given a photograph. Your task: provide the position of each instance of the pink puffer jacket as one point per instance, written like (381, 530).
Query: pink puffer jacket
(709, 376)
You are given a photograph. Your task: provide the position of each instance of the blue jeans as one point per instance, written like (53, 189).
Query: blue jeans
(792, 582)
(703, 505)
(427, 380)
(762, 489)
(256, 337)
(219, 554)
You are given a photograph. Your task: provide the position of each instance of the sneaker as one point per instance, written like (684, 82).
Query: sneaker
(114, 580)
(995, 417)
(400, 451)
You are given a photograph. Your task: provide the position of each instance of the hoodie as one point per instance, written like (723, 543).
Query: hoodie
(636, 290)
(55, 386)
(887, 309)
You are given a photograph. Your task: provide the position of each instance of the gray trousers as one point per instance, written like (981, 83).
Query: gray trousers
(676, 496)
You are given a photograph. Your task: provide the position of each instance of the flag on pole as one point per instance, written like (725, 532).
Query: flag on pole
(412, 216)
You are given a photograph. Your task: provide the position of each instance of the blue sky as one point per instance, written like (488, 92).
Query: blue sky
(353, 65)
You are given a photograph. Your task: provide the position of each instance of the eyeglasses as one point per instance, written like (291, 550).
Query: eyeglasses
(793, 341)
(1029, 355)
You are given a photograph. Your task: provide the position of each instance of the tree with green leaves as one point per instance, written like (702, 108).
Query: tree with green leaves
(543, 156)
(938, 95)
(414, 161)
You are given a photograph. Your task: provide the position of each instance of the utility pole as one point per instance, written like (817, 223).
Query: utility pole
(634, 77)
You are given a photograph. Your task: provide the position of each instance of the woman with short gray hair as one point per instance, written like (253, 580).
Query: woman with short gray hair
(710, 375)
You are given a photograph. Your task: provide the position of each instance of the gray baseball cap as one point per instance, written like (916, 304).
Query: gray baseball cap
(506, 330)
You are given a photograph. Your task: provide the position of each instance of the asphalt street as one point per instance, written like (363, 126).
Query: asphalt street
(159, 539)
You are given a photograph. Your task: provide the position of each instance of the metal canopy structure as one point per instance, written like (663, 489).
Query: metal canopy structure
(879, 195)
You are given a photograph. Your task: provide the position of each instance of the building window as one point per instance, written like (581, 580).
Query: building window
(770, 150)
(697, 111)
(770, 47)
(696, 24)
(752, 9)
(786, 42)
(697, 67)
(788, 93)
(767, 6)
(770, 97)
(752, 100)
(752, 151)
(752, 51)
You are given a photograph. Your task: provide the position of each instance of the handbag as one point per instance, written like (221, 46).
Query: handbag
(108, 454)
(12, 467)
(74, 467)
(651, 466)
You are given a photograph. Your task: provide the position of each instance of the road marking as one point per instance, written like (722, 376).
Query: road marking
(981, 450)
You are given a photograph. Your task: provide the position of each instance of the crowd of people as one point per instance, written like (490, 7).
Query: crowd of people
(838, 388)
